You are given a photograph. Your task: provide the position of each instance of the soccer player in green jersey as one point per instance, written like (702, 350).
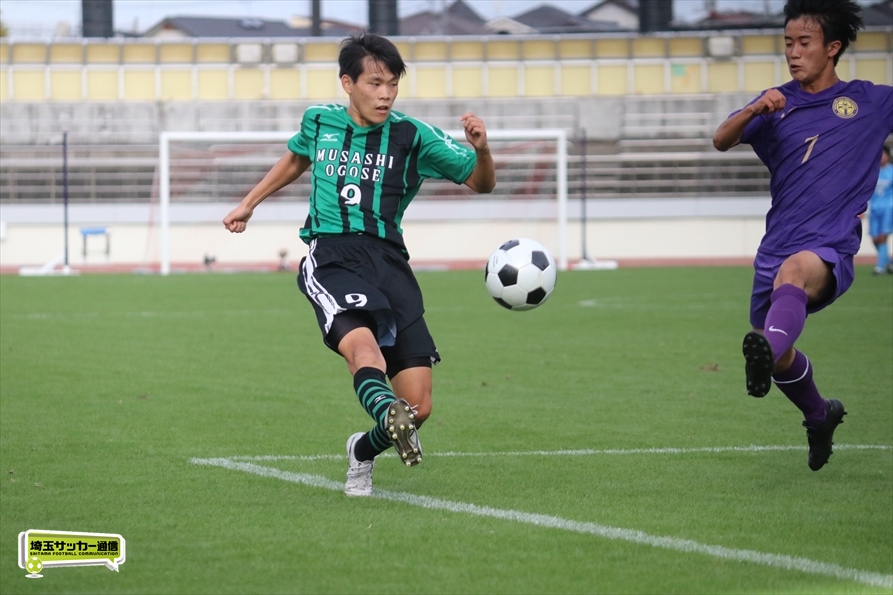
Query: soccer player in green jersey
(367, 162)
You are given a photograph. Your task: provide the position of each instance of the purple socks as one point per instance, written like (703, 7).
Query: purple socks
(797, 385)
(785, 319)
(784, 323)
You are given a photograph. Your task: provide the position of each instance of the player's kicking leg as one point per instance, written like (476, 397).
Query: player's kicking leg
(397, 416)
(411, 378)
(805, 278)
(377, 399)
(397, 421)
(362, 448)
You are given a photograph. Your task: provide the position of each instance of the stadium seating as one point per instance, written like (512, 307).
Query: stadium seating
(648, 105)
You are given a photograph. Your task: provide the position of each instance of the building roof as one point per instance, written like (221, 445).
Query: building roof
(328, 29)
(457, 19)
(462, 10)
(740, 19)
(221, 27)
(551, 19)
(508, 26)
(631, 6)
(431, 23)
(544, 16)
(878, 15)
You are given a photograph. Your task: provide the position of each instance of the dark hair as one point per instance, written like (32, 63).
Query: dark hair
(356, 48)
(839, 19)
(887, 150)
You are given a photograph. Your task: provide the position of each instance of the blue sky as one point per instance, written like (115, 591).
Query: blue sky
(35, 15)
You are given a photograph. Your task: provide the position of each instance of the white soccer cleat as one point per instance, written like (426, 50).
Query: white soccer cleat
(359, 473)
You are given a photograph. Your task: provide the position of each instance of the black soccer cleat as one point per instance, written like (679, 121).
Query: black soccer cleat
(402, 432)
(820, 437)
(759, 362)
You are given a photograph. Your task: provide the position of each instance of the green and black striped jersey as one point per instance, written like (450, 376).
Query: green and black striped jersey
(362, 179)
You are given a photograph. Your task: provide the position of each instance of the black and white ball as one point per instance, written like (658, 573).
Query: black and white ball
(521, 274)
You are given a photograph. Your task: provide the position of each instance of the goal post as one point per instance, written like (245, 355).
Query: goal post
(164, 171)
(542, 164)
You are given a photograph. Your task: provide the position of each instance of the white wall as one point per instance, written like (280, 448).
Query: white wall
(435, 232)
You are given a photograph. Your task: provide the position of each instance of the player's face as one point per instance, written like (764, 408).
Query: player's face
(884, 159)
(373, 93)
(809, 59)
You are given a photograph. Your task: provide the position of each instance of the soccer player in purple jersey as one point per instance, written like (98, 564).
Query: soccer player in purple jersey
(820, 138)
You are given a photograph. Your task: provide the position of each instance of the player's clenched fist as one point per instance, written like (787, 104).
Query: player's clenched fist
(771, 101)
(237, 219)
(475, 131)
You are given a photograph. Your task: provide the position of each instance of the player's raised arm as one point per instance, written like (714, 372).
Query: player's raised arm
(288, 169)
(483, 177)
(729, 132)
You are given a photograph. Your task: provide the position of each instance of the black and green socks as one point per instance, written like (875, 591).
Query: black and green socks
(375, 396)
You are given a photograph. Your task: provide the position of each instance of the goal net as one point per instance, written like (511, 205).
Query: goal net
(217, 168)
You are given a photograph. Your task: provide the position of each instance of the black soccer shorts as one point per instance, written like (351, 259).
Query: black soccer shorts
(362, 273)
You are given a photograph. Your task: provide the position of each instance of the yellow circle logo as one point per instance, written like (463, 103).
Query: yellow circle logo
(845, 107)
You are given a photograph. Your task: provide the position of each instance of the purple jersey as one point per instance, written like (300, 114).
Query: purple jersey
(822, 151)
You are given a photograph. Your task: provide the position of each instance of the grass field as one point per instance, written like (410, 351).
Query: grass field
(603, 443)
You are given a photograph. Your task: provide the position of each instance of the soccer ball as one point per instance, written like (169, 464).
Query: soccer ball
(520, 274)
(34, 565)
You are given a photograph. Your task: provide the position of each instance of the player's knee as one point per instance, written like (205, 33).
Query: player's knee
(804, 269)
(423, 410)
(420, 400)
(362, 354)
(791, 272)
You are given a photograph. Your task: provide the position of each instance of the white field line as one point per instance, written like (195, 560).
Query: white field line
(577, 453)
(615, 533)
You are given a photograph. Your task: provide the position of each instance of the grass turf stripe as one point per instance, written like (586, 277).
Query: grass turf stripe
(615, 533)
(579, 452)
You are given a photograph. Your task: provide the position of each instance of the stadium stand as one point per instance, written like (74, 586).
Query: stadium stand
(648, 105)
